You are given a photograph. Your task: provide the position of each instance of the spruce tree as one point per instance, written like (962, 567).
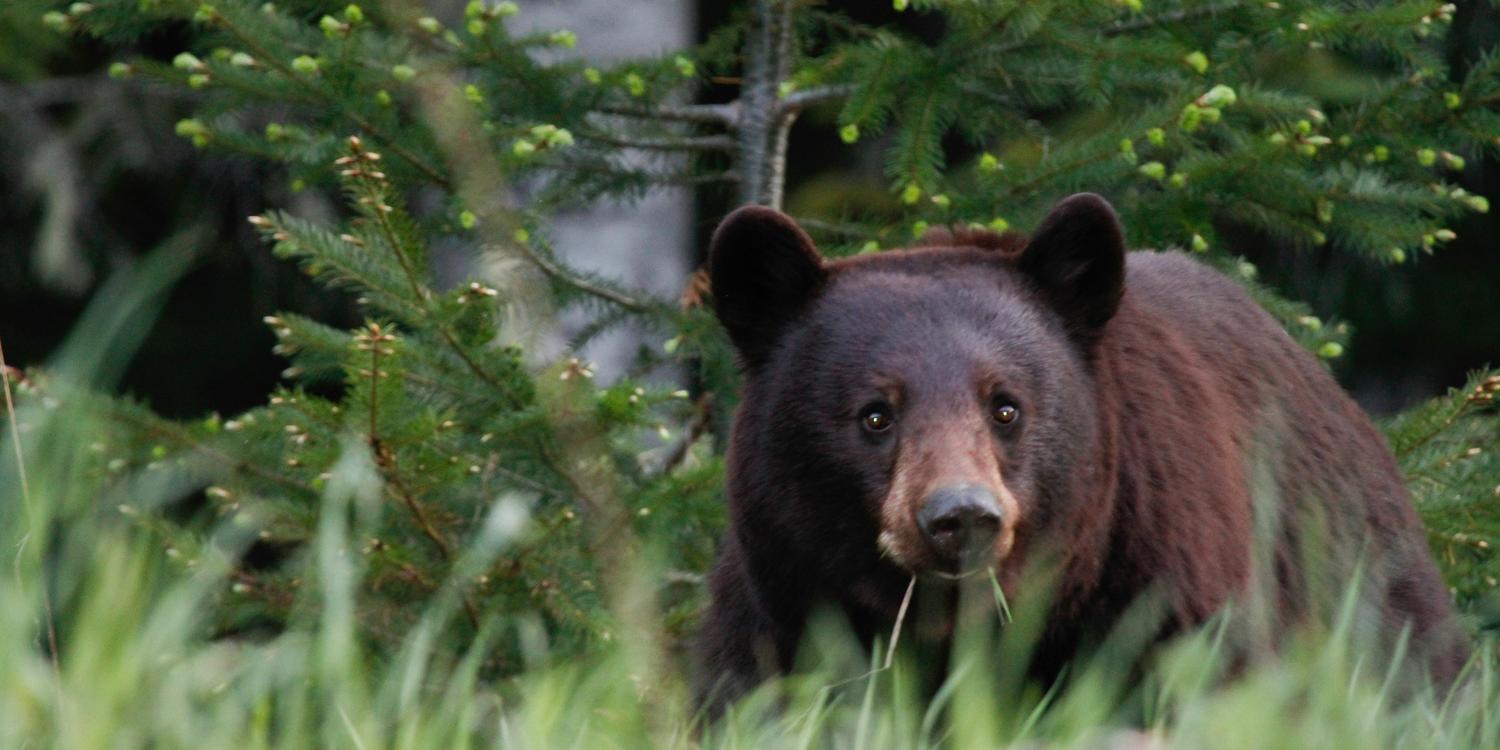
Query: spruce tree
(1334, 127)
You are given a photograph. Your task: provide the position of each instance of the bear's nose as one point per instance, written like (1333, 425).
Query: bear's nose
(960, 521)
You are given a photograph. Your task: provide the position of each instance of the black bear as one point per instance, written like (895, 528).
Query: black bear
(987, 400)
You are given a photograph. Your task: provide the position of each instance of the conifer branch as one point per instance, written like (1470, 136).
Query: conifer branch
(388, 141)
(556, 271)
(726, 115)
(379, 210)
(800, 100)
(690, 143)
(1176, 16)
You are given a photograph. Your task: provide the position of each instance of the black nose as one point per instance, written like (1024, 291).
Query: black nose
(960, 521)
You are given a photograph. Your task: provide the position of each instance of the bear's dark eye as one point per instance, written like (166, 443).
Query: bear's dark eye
(876, 418)
(1005, 412)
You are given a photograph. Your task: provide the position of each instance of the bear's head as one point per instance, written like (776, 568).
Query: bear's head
(927, 411)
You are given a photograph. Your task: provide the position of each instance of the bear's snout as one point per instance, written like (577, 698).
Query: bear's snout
(960, 522)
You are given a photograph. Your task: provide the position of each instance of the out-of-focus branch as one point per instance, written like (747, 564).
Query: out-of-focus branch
(686, 143)
(800, 100)
(726, 115)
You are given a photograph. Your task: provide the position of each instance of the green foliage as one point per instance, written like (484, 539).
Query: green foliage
(1450, 451)
(425, 501)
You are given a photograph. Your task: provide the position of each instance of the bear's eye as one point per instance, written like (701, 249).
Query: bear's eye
(876, 418)
(1005, 412)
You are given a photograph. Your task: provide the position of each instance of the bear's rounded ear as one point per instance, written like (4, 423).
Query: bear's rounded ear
(1077, 259)
(763, 270)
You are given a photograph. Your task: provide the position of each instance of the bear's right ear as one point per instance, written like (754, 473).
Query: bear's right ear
(764, 271)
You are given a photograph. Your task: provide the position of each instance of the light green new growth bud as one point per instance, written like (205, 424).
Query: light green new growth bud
(1453, 100)
(849, 133)
(199, 80)
(190, 127)
(120, 71)
(1445, 235)
(941, 201)
(868, 247)
(523, 148)
(1397, 255)
(1277, 139)
(205, 14)
(78, 9)
(1311, 322)
(275, 131)
(1154, 170)
(911, 194)
(305, 65)
(467, 219)
(785, 89)
(1218, 96)
(187, 61)
(1197, 61)
(1307, 149)
(507, 9)
(1177, 180)
(564, 38)
(919, 228)
(1345, 141)
(1247, 269)
(998, 224)
(471, 92)
(475, 9)
(1426, 157)
(521, 236)
(1331, 350)
(1156, 136)
(1304, 127)
(1479, 203)
(403, 72)
(1453, 161)
(592, 75)
(476, 27)
(989, 163)
(383, 98)
(1319, 238)
(635, 84)
(1324, 210)
(354, 14)
(57, 20)
(1211, 115)
(1198, 244)
(1127, 146)
(900, 5)
(1191, 118)
(1381, 153)
(429, 24)
(685, 67)
(241, 60)
(332, 27)
(1134, 6)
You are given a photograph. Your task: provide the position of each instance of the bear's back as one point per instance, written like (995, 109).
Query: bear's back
(1191, 342)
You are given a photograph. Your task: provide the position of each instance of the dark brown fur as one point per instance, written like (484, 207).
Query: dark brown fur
(1171, 423)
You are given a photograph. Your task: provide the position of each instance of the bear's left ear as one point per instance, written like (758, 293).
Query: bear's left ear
(763, 270)
(1077, 259)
